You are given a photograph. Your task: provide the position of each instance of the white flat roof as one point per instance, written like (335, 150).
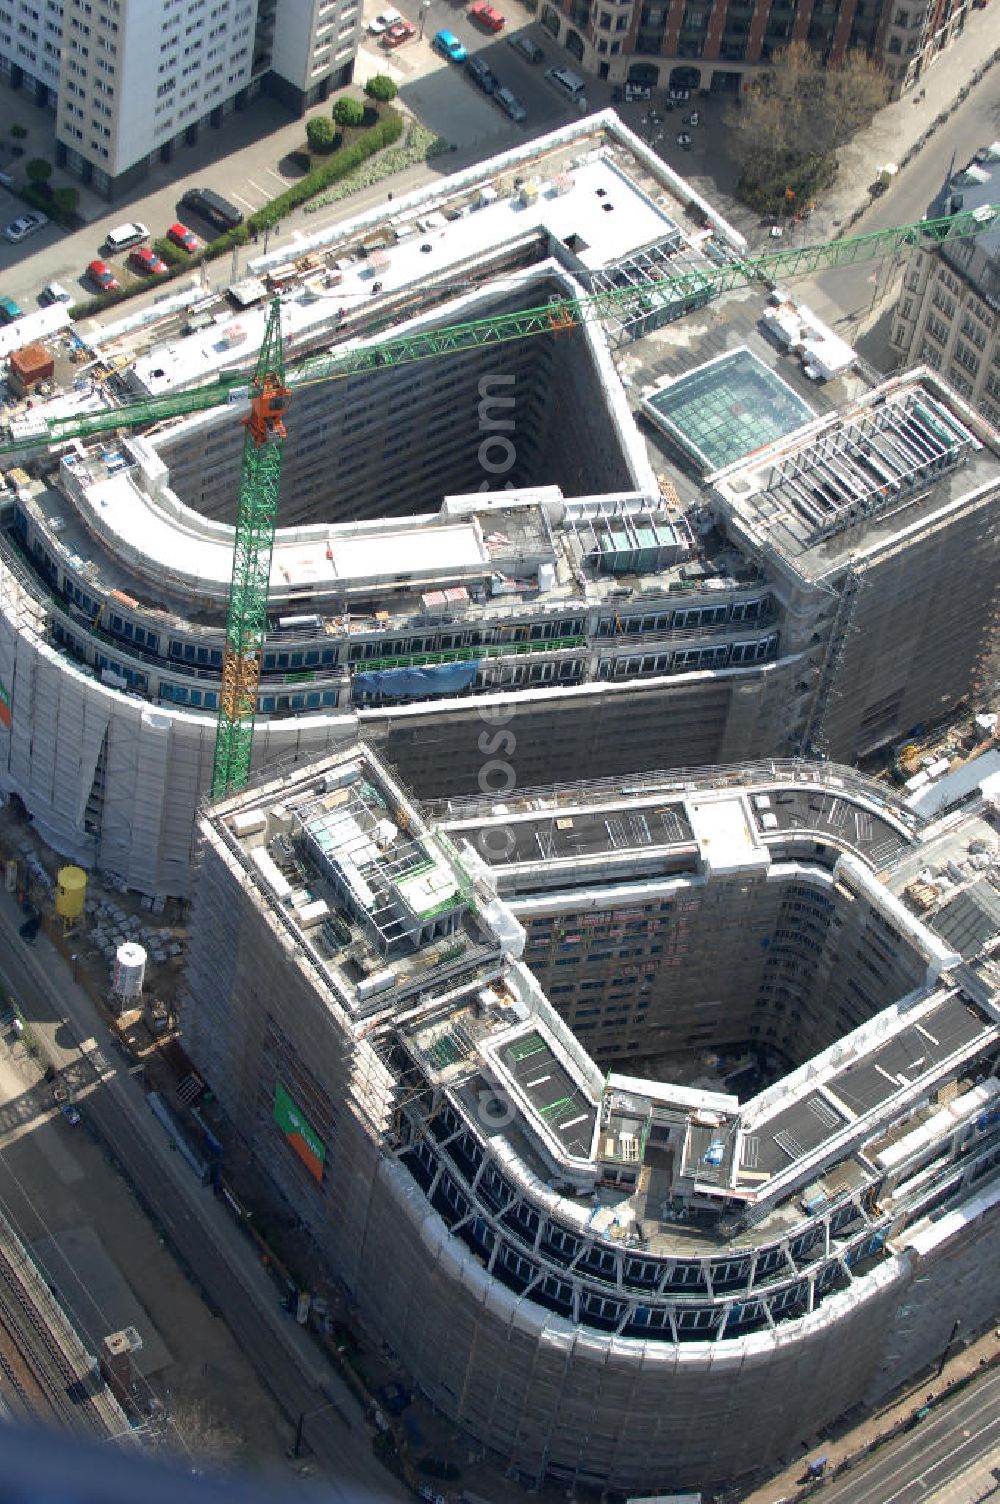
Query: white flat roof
(190, 548)
(608, 214)
(724, 832)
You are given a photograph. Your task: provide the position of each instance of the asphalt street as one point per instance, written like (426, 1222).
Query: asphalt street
(196, 1225)
(955, 1435)
(855, 295)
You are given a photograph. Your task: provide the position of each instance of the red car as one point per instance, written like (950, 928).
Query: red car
(101, 273)
(487, 16)
(145, 260)
(399, 33)
(185, 238)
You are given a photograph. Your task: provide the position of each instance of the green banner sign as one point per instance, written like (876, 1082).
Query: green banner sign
(300, 1133)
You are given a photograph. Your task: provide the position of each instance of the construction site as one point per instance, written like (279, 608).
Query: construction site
(508, 500)
(432, 1030)
(655, 1058)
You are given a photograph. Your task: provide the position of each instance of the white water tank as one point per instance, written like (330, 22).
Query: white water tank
(130, 969)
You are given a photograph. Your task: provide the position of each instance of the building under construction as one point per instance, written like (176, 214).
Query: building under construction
(672, 1102)
(769, 564)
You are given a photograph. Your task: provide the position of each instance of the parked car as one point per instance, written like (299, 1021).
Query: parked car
(527, 47)
(70, 1113)
(383, 22)
(100, 273)
(54, 292)
(147, 261)
(9, 311)
(219, 212)
(482, 74)
(28, 223)
(447, 43)
(399, 33)
(487, 15)
(185, 238)
(123, 237)
(511, 105)
(29, 929)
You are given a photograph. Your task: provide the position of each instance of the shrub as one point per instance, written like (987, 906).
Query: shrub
(332, 170)
(348, 111)
(320, 133)
(39, 196)
(38, 170)
(18, 132)
(174, 255)
(66, 200)
(381, 87)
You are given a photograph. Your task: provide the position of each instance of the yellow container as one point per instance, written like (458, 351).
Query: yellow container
(71, 892)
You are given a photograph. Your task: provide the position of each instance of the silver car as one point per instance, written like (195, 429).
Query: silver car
(28, 223)
(512, 105)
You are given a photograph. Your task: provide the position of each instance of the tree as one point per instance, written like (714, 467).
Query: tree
(798, 115)
(381, 88)
(348, 111)
(38, 170)
(320, 133)
(66, 199)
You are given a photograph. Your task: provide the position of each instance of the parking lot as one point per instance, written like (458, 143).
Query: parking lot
(247, 160)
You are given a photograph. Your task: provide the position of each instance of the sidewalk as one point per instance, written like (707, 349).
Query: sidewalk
(851, 1445)
(899, 130)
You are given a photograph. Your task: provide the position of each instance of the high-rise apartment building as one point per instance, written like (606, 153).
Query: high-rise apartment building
(696, 44)
(132, 80)
(948, 314)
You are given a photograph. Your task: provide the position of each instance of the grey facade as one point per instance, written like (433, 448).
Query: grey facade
(643, 1284)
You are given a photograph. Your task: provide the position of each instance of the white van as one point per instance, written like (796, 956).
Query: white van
(124, 237)
(570, 83)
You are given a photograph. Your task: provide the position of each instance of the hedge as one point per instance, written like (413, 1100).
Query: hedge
(174, 255)
(385, 133)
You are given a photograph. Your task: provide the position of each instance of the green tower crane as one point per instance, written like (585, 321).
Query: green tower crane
(269, 395)
(256, 514)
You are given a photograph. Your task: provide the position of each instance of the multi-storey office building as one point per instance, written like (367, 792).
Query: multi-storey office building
(133, 80)
(695, 45)
(751, 596)
(646, 1283)
(948, 313)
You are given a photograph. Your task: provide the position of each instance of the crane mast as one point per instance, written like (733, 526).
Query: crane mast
(257, 505)
(256, 513)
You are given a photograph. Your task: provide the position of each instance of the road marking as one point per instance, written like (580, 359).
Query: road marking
(244, 201)
(276, 175)
(260, 190)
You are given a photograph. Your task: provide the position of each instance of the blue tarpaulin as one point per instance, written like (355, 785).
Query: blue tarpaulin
(435, 679)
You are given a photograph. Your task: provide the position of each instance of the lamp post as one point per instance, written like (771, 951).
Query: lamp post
(425, 6)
